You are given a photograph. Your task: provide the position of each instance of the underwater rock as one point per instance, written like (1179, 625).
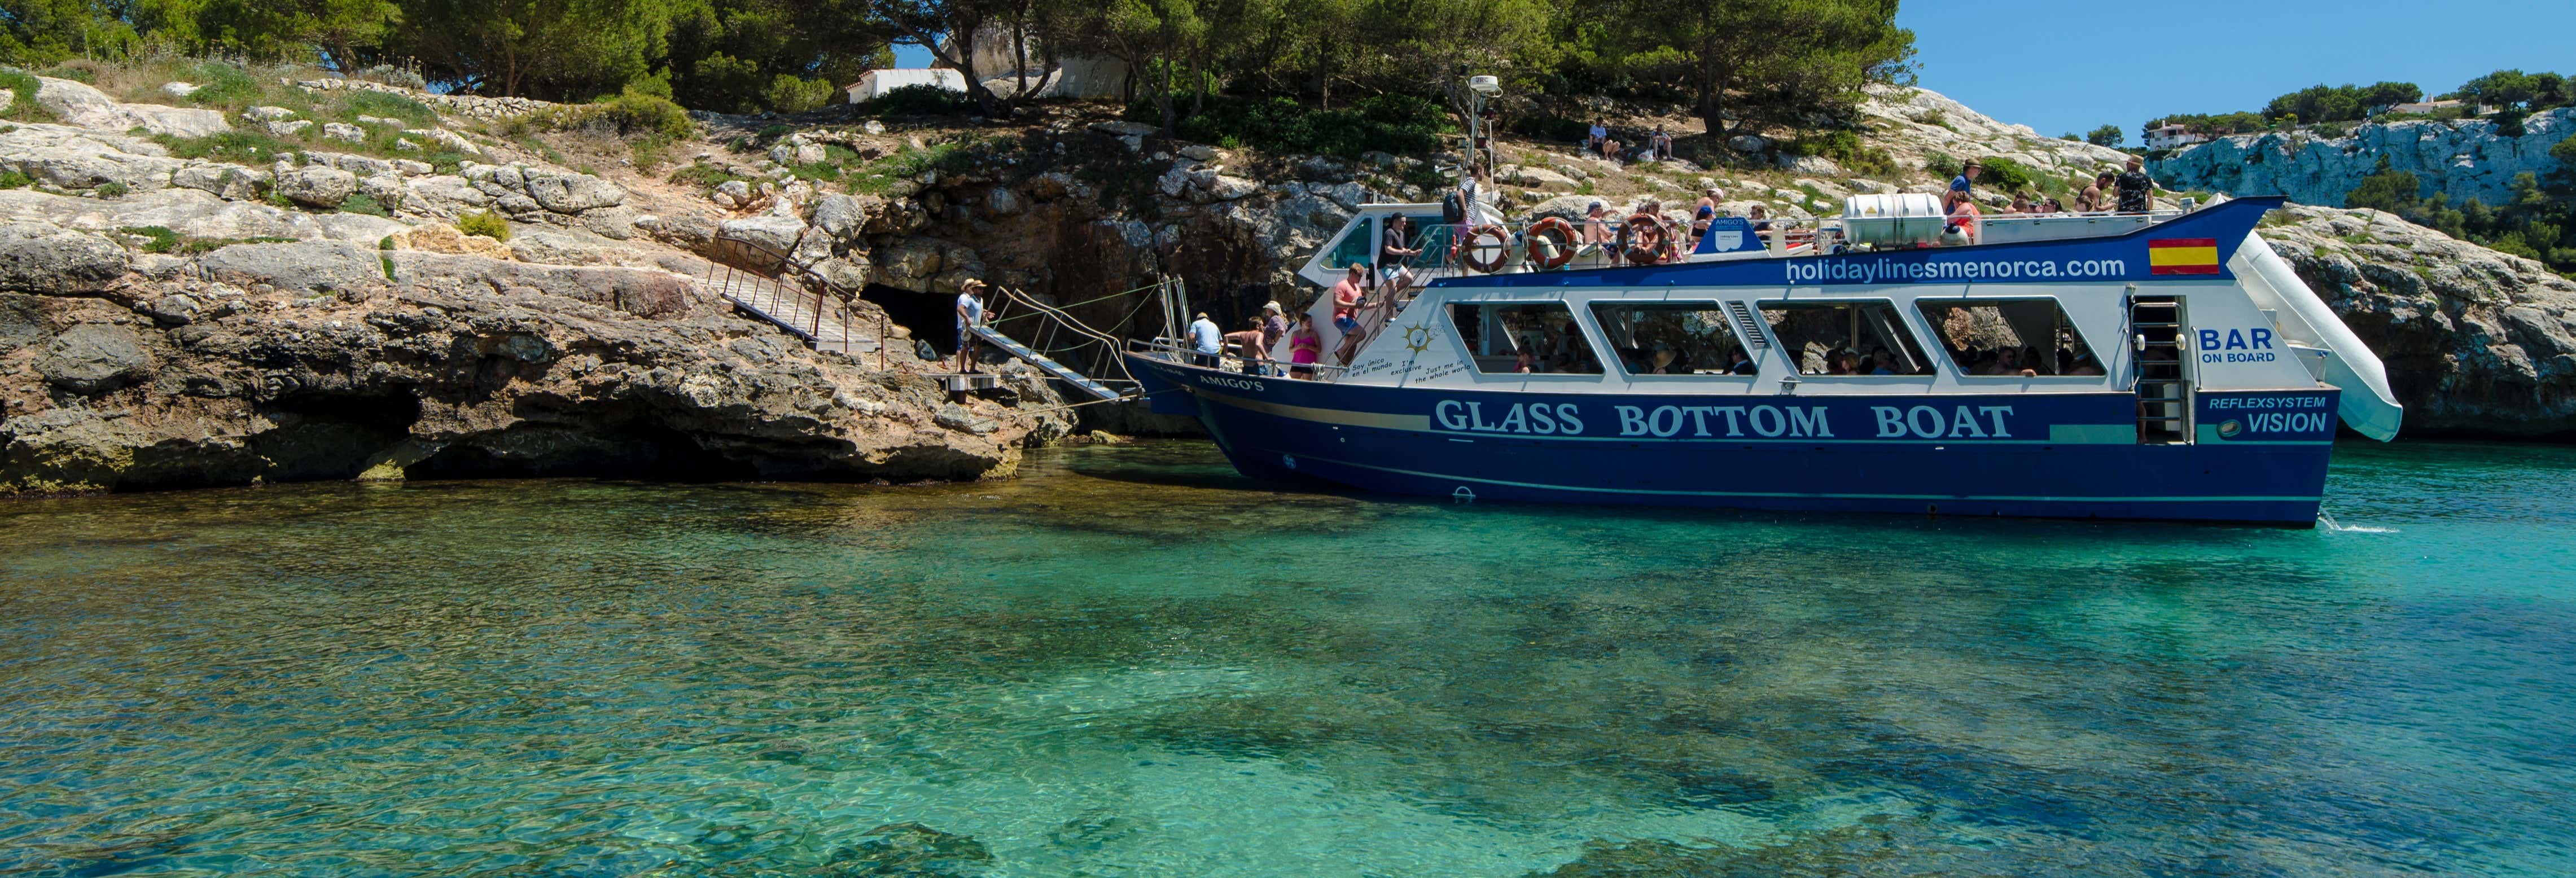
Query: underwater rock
(908, 850)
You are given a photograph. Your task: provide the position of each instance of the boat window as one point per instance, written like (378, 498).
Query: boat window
(2002, 337)
(1672, 338)
(1846, 338)
(1537, 337)
(1359, 246)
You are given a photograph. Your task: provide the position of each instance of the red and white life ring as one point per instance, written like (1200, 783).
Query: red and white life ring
(1500, 249)
(1551, 243)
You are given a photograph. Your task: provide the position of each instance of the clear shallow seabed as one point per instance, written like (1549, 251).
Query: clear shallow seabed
(1130, 663)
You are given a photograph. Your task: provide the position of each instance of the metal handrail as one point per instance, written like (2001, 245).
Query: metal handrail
(1179, 353)
(783, 294)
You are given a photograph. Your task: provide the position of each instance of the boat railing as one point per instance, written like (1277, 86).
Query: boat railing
(1180, 352)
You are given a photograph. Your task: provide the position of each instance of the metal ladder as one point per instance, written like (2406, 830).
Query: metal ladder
(2164, 391)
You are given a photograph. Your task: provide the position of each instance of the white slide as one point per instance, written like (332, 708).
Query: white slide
(2338, 356)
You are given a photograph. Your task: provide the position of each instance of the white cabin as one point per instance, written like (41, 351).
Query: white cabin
(875, 83)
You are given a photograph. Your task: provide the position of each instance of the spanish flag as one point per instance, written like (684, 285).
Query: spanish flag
(2182, 256)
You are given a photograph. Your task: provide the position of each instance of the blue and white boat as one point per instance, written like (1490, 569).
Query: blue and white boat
(2161, 366)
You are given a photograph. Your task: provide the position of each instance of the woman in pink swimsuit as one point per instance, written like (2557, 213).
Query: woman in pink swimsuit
(1304, 348)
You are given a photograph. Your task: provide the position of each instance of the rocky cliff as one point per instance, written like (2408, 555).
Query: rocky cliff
(171, 322)
(2469, 158)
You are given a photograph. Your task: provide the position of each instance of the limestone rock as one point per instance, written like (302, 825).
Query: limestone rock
(1536, 178)
(445, 140)
(443, 238)
(229, 182)
(42, 258)
(317, 186)
(447, 195)
(777, 234)
(732, 194)
(86, 107)
(344, 132)
(94, 358)
(1230, 188)
(574, 193)
(268, 114)
(839, 216)
(178, 89)
(295, 128)
(311, 266)
(2469, 158)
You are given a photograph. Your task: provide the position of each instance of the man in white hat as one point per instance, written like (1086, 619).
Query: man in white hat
(970, 311)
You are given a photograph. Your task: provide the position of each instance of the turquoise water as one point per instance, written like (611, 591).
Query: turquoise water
(1130, 663)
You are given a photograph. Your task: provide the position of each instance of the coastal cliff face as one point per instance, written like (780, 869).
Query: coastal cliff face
(2467, 158)
(2477, 342)
(180, 322)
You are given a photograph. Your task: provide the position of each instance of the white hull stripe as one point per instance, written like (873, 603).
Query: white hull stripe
(1819, 496)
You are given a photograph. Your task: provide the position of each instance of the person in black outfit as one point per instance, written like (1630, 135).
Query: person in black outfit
(2137, 190)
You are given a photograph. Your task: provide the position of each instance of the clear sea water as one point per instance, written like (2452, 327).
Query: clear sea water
(1132, 663)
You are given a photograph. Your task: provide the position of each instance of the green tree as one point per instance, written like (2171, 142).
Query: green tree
(2107, 135)
(1750, 62)
(554, 49)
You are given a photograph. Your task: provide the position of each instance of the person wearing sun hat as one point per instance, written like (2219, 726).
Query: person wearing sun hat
(970, 311)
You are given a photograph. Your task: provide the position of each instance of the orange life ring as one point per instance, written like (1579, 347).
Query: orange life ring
(1645, 239)
(1501, 248)
(1550, 232)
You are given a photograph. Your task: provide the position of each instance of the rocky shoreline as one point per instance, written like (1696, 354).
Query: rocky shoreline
(169, 321)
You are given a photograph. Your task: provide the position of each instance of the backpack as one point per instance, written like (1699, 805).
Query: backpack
(1453, 209)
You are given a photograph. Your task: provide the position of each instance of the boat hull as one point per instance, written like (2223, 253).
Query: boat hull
(2261, 456)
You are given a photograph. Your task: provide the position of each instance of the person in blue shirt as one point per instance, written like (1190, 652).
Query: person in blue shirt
(1206, 343)
(1959, 184)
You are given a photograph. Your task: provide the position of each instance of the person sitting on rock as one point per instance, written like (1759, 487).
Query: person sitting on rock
(1659, 146)
(1595, 136)
(970, 312)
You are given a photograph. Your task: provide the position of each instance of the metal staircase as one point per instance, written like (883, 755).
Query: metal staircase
(823, 322)
(2164, 389)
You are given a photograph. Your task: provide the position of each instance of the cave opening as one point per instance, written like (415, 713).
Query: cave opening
(932, 317)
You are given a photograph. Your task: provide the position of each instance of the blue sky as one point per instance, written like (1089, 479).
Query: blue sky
(2058, 66)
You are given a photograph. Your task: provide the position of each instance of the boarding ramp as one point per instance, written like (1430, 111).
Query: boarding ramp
(1053, 321)
(1045, 364)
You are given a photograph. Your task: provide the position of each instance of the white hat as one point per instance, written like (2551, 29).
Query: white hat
(1272, 305)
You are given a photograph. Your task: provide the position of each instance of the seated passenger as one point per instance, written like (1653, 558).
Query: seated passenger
(1741, 365)
(1527, 362)
(2030, 358)
(2007, 362)
(2091, 200)
(1886, 362)
(1841, 364)
(2053, 206)
(2021, 203)
(1761, 217)
(1596, 227)
(1963, 220)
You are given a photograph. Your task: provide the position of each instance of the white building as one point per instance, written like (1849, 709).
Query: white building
(2172, 136)
(875, 83)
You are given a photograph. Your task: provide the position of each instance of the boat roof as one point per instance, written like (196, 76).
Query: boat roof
(2193, 246)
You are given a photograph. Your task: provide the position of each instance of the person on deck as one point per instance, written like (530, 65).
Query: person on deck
(1274, 326)
(1394, 260)
(1347, 298)
(1959, 185)
(1207, 344)
(1304, 348)
(970, 312)
(1741, 364)
(1596, 227)
(2095, 198)
(1963, 219)
(2137, 190)
(1247, 345)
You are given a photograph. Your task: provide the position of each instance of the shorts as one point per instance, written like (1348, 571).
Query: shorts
(1344, 323)
(964, 338)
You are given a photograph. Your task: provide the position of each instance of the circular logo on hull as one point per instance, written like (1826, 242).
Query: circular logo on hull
(2229, 429)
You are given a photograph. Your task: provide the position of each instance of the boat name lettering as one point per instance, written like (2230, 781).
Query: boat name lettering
(1231, 381)
(1899, 269)
(1766, 421)
(1928, 422)
(2267, 402)
(1534, 417)
(2237, 346)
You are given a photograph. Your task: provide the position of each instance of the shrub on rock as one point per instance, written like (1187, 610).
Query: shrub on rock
(484, 223)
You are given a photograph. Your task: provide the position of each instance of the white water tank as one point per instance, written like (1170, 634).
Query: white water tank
(1895, 219)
